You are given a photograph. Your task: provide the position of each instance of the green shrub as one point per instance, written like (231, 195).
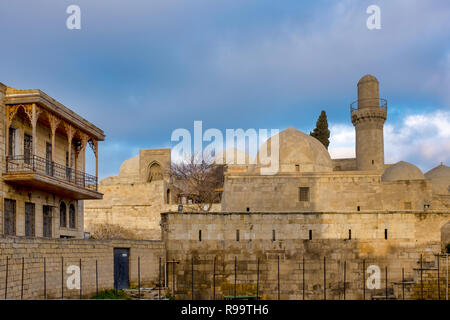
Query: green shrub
(112, 295)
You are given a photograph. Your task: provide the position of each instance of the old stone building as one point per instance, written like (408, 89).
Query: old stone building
(43, 183)
(308, 180)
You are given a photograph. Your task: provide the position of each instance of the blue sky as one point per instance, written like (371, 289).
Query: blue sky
(140, 69)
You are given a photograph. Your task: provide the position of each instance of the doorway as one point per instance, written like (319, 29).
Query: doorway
(121, 268)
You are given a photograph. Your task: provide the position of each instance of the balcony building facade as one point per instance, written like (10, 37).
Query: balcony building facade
(43, 155)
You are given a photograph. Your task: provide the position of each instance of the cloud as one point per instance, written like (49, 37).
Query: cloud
(422, 139)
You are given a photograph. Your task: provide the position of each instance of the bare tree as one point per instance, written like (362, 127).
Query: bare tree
(108, 231)
(199, 180)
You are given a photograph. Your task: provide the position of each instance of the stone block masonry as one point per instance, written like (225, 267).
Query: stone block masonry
(33, 252)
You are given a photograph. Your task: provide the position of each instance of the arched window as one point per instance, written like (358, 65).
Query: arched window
(72, 216)
(155, 172)
(62, 215)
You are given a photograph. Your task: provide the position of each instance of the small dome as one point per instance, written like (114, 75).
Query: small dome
(440, 178)
(402, 171)
(299, 149)
(130, 167)
(368, 78)
(237, 157)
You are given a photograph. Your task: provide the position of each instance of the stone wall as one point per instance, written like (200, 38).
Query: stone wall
(335, 191)
(33, 251)
(285, 236)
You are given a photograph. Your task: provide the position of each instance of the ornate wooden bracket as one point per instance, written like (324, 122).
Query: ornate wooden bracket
(54, 121)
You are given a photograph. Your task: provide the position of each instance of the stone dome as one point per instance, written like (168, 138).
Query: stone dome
(368, 78)
(402, 171)
(130, 167)
(299, 151)
(440, 179)
(237, 157)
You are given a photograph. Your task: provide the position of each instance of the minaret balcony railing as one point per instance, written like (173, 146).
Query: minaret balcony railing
(374, 102)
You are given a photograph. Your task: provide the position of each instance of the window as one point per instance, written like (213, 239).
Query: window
(12, 141)
(248, 209)
(237, 235)
(304, 193)
(350, 234)
(310, 234)
(29, 219)
(358, 208)
(273, 235)
(27, 148)
(408, 205)
(10, 217)
(155, 172)
(199, 235)
(47, 221)
(62, 215)
(373, 162)
(297, 167)
(385, 234)
(72, 221)
(168, 196)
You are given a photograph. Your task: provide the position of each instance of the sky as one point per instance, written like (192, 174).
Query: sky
(139, 69)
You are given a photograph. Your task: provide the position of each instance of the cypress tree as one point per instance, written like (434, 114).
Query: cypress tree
(321, 131)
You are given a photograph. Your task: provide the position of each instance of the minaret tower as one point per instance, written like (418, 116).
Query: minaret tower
(368, 115)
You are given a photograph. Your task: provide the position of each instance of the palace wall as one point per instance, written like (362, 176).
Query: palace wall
(33, 251)
(285, 236)
(336, 191)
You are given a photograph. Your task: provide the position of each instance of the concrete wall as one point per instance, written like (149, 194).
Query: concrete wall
(89, 251)
(409, 235)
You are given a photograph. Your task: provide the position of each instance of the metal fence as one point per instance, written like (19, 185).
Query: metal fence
(192, 278)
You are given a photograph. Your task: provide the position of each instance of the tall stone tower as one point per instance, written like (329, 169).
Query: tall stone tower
(368, 115)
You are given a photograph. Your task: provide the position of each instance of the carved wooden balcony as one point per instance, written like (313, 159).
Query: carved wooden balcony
(41, 174)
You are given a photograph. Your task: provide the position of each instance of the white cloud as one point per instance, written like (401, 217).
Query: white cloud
(422, 139)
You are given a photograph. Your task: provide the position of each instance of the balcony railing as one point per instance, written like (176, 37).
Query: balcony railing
(382, 103)
(51, 169)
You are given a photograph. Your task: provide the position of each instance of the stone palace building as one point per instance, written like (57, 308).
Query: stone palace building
(308, 181)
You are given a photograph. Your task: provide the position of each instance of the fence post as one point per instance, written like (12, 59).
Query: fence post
(257, 280)
(364, 280)
(214, 279)
(303, 278)
(139, 277)
(345, 276)
(6, 277)
(324, 278)
(278, 277)
(81, 282)
(439, 285)
(192, 264)
(386, 284)
(421, 277)
(96, 277)
(173, 279)
(235, 275)
(21, 289)
(403, 283)
(62, 278)
(159, 280)
(45, 279)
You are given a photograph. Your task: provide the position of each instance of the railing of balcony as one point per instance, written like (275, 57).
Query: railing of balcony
(382, 103)
(52, 169)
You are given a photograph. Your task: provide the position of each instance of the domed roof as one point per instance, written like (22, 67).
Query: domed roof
(237, 157)
(298, 148)
(367, 78)
(402, 171)
(440, 178)
(130, 167)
